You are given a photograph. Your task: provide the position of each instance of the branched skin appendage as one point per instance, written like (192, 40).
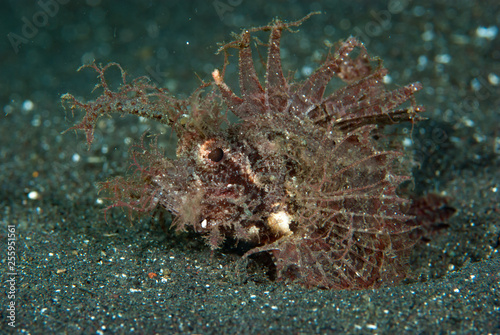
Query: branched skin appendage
(301, 176)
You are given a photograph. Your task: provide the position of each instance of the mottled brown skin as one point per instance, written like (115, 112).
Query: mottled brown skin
(301, 176)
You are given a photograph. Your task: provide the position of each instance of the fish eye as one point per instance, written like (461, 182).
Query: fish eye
(216, 155)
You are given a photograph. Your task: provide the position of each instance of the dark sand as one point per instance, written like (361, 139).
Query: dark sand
(78, 274)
